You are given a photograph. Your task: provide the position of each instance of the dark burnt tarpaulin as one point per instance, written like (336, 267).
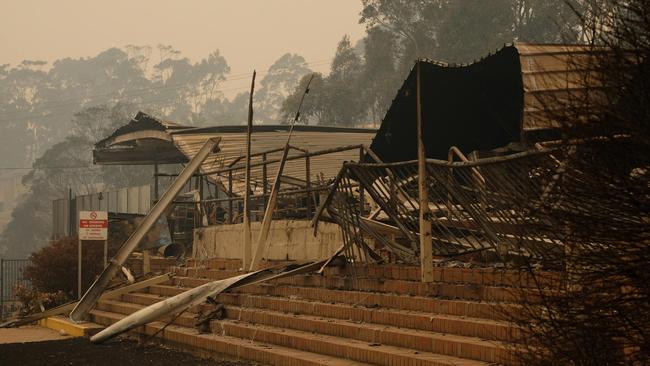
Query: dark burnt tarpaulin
(473, 107)
(503, 98)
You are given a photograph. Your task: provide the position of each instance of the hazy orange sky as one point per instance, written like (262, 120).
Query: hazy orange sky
(249, 33)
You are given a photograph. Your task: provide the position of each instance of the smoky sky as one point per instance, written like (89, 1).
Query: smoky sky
(249, 33)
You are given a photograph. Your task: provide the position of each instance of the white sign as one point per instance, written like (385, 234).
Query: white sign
(93, 225)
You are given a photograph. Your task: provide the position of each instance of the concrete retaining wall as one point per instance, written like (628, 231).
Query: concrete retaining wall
(289, 240)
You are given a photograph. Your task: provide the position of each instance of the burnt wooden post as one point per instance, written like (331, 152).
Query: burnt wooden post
(230, 218)
(361, 190)
(308, 185)
(155, 180)
(246, 243)
(202, 205)
(265, 180)
(426, 250)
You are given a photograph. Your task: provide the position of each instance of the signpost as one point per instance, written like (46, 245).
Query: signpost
(93, 225)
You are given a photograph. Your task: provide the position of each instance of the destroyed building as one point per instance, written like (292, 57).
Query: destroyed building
(342, 277)
(502, 99)
(214, 195)
(494, 116)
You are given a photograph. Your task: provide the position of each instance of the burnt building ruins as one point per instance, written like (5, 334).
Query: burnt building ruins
(397, 246)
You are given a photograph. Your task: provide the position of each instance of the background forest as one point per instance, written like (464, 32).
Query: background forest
(52, 113)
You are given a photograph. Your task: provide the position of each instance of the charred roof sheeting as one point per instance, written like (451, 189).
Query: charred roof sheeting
(474, 107)
(141, 122)
(144, 140)
(500, 99)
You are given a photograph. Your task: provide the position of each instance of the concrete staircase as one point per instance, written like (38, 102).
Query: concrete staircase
(382, 315)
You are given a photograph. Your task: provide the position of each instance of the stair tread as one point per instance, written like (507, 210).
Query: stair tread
(378, 327)
(362, 345)
(281, 323)
(295, 353)
(446, 336)
(344, 278)
(358, 291)
(358, 344)
(431, 316)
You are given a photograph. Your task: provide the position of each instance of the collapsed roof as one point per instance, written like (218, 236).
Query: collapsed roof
(146, 140)
(485, 105)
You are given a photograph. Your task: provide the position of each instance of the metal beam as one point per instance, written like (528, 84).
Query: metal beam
(91, 296)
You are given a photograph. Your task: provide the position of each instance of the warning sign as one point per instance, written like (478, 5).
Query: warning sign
(93, 225)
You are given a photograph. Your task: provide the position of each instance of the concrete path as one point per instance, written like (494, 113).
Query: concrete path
(30, 333)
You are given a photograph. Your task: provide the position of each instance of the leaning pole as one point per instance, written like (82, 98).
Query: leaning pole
(91, 296)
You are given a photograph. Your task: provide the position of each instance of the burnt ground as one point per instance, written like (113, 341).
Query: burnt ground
(119, 352)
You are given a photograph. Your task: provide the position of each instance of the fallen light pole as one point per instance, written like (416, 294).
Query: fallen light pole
(91, 296)
(179, 303)
(172, 305)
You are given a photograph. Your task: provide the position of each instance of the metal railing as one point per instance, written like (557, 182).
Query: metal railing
(474, 206)
(221, 201)
(11, 276)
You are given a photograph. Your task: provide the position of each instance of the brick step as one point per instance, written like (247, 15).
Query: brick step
(472, 309)
(373, 353)
(476, 276)
(226, 345)
(419, 340)
(440, 323)
(410, 288)
(205, 273)
(354, 349)
(402, 284)
(443, 344)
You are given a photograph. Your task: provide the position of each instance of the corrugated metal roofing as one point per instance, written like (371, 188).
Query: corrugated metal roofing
(553, 77)
(233, 146)
(147, 139)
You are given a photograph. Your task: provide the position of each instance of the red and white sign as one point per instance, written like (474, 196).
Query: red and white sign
(93, 225)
